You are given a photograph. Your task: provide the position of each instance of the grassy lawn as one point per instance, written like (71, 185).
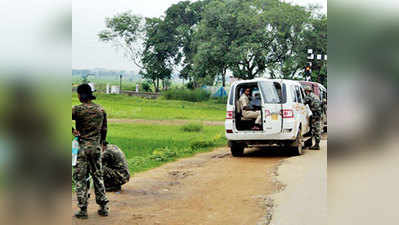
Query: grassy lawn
(126, 107)
(148, 146)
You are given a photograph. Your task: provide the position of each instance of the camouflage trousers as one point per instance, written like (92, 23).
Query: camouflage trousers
(316, 128)
(114, 177)
(89, 163)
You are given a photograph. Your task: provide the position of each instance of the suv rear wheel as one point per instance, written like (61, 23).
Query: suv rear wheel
(237, 149)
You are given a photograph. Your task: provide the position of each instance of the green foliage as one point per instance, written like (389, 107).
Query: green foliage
(220, 100)
(163, 154)
(209, 38)
(248, 37)
(148, 146)
(124, 30)
(136, 161)
(159, 47)
(192, 127)
(201, 144)
(146, 86)
(197, 95)
(129, 107)
(206, 143)
(183, 19)
(190, 85)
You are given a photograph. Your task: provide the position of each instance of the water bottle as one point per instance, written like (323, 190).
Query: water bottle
(75, 150)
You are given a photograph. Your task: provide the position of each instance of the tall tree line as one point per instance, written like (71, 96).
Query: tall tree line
(203, 41)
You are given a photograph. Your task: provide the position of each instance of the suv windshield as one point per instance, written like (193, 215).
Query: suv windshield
(272, 92)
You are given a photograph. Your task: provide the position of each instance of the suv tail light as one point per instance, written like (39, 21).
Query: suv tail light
(287, 113)
(229, 115)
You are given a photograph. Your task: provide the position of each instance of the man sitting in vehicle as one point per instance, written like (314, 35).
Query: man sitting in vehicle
(115, 167)
(247, 112)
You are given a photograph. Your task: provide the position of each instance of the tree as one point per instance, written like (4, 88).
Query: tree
(182, 20)
(289, 23)
(125, 30)
(316, 39)
(252, 37)
(158, 51)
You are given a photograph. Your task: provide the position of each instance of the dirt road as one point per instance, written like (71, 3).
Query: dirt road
(209, 188)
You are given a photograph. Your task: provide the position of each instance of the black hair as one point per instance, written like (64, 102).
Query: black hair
(85, 92)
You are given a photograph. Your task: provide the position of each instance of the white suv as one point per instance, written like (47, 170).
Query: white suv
(285, 117)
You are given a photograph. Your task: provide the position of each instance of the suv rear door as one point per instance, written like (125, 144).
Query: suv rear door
(230, 110)
(271, 106)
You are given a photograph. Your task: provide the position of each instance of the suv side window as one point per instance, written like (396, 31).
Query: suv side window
(302, 94)
(293, 93)
(298, 94)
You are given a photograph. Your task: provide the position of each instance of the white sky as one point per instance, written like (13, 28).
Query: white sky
(88, 19)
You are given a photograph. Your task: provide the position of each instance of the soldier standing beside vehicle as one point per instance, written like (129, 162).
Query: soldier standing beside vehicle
(91, 127)
(115, 167)
(315, 106)
(247, 112)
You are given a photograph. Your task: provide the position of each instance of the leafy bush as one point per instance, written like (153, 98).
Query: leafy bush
(163, 154)
(146, 86)
(190, 85)
(192, 127)
(196, 95)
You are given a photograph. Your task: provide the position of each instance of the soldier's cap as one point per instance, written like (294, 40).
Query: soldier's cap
(85, 92)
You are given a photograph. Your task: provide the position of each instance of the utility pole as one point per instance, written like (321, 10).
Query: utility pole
(120, 84)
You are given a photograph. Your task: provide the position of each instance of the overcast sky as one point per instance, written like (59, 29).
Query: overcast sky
(88, 18)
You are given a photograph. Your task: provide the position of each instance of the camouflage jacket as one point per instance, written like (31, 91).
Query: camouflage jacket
(115, 159)
(91, 122)
(314, 104)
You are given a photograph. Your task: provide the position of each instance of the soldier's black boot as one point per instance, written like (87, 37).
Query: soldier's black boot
(316, 146)
(103, 211)
(82, 214)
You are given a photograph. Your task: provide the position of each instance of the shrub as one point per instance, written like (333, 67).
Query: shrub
(163, 154)
(190, 85)
(196, 95)
(146, 86)
(192, 127)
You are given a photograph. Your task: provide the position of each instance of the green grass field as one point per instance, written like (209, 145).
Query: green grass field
(127, 107)
(147, 145)
(143, 144)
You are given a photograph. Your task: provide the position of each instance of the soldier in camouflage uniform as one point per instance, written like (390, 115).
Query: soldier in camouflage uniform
(315, 106)
(116, 171)
(91, 127)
